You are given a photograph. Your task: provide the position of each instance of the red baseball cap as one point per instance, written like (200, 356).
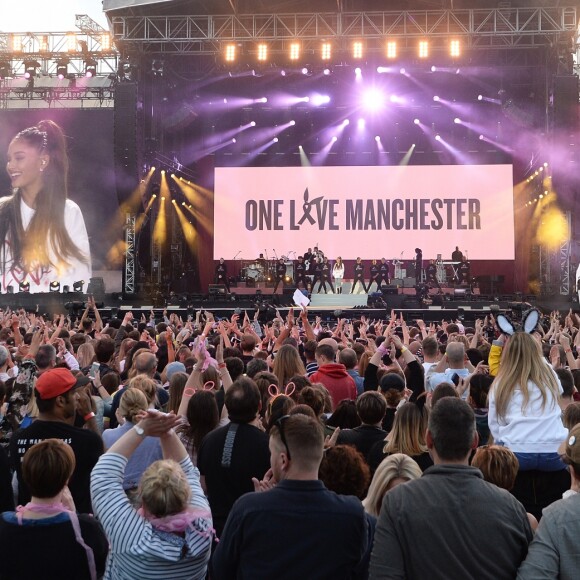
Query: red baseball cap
(55, 382)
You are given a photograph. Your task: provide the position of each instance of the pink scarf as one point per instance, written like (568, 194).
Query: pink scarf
(55, 509)
(181, 522)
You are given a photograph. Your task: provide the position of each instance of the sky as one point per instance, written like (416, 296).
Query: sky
(37, 16)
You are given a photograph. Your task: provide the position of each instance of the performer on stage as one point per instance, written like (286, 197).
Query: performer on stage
(221, 274)
(384, 273)
(317, 274)
(300, 273)
(359, 276)
(457, 255)
(464, 271)
(42, 233)
(418, 265)
(431, 274)
(280, 274)
(326, 278)
(338, 274)
(375, 275)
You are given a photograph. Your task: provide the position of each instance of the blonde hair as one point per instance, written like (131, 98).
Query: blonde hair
(132, 403)
(522, 361)
(287, 364)
(164, 489)
(396, 466)
(145, 384)
(85, 354)
(408, 433)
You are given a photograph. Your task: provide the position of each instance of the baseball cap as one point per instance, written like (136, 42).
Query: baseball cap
(55, 382)
(573, 445)
(174, 367)
(392, 381)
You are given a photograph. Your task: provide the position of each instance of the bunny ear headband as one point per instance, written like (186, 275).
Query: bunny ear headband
(529, 322)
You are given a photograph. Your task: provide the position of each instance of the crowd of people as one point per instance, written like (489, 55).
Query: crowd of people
(205, 448)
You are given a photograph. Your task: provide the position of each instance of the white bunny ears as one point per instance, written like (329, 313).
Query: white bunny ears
(529, 322)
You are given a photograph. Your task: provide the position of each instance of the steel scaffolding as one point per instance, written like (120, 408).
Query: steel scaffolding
(478, 29)
(129, 280)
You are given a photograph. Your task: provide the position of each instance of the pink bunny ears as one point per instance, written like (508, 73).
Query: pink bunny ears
(275, 392)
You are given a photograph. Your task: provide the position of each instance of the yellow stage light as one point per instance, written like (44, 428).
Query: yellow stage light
(294, 51)
(71, 42)
(391, 49)
(262, 52)
(357, 49)
(423, 49)
(326, 51)
(455, 48)
(230, 55)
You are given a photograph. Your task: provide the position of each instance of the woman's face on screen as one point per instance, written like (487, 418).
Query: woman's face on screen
(25, 165)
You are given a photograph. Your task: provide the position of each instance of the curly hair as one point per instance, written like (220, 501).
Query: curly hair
(344, 471)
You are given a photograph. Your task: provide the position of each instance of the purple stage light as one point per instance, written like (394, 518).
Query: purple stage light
(234, 140)
(436, 99)
(275, 139)
(345, 122)
(377, 139)
(361, 123)
(292, 122)
(318, 100)
(358, 71)
(416, 121)
(304, 71)
(437, 137)
(326, 71)
(334, 139)
(253, 124)
(373, 99)
(457, 121)
(283, 73)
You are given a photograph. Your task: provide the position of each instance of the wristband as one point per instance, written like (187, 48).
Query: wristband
(382, 349)
(189, 392)
(222, 365)
(567, 350)
(88, 416)
(404, 349)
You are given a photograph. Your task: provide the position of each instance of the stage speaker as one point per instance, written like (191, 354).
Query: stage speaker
(217, 290)
(409, 283)
(389, 290)
(125, 139)
(398, 282)
(566, 101)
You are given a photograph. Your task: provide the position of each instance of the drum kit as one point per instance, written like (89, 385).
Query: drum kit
(263, 270)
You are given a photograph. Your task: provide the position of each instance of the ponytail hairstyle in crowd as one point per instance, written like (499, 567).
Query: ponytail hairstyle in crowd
(31, 249)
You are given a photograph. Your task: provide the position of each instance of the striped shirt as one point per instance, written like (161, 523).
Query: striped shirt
(137, 549)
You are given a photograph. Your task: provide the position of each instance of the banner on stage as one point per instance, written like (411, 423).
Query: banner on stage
(370, 212)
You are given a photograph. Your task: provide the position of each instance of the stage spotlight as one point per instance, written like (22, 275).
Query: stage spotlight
(457, 121)
(253, 124)
(16, 42)
(436, 99)
(157, 67)
(78, 285)
(373, 99)
(262, 100)
(416, 121)
(54, 286)
(318, 100)
(357, 49)
(361, 123)
(334, 139)
(304, 71)
(283, 73)
(24, 287)
(326, 72)
(481, 137)
(90, 67)
(275, 139)
(345, 122)
(455, 48)
(230, 53)
(262, 52)
(391, 49)
(292, 122)
(30, 67)
(433, 68)
(358, 71)
(62, 68)
(437, 137)
(423, 49)
(480, 97)
(377, 139)
(402, 71)
(326, 51)
(294, 51)
(105, 42)
(234, 140)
